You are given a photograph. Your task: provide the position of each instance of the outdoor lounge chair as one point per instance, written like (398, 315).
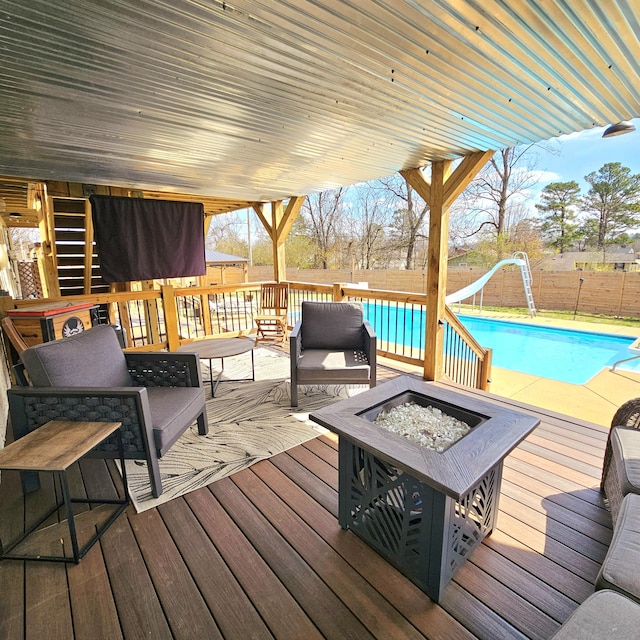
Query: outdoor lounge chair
(332, 344)
(87, 377)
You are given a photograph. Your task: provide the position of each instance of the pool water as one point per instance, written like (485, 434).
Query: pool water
(560, 354)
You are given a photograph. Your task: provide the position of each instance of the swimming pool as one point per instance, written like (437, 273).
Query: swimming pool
(566, 355)
(560, 354)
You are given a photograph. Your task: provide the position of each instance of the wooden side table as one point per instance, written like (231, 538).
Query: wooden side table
(53, 448)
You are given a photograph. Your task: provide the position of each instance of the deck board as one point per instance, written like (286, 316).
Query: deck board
(261, 555)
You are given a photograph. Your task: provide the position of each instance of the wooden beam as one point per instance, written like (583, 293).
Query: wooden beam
(279, 263)
(290, 215)
(464, 173)
(437, 256)
(259, 209)
(416, 179)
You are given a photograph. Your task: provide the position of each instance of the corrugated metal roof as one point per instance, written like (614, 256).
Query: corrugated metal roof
(219, 257)
(263, 99)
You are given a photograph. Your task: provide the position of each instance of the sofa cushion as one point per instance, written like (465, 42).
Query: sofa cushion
(332, 325)
(315, 364)
(625, 447)
(92, 358)
(172, 408)
(604, 614)
(619, 571)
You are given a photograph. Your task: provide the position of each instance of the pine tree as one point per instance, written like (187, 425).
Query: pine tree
(613, 203)
(559, 226)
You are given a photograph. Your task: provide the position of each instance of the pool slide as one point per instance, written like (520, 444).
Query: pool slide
(477, 285)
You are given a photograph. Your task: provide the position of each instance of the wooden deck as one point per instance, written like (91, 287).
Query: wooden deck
(261, 555)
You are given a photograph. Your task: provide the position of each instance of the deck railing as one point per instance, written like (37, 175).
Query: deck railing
(168, 317)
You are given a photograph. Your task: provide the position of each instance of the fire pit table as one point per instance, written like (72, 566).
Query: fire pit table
(423, 510)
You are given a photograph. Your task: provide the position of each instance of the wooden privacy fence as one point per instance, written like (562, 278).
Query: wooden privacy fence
(608, 293)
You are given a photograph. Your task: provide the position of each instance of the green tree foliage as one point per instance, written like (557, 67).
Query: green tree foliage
(299, 248)
(612, 204)
(559, 224)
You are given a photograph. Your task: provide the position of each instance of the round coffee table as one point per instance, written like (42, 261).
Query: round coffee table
(212, 348)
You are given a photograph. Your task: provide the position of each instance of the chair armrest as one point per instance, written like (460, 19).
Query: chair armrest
(32, 407)
(163, 369)
(295, 341)
(370, 348)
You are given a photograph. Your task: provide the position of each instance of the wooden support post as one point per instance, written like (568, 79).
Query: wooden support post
(338, 296)
(440, 194)
(279, 262)
(278, 229)
(436, 271)
(170, 316)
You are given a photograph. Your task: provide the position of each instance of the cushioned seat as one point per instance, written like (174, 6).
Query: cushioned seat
(622, 468)
(602, 616)
(157, 396)
(620, 570)
(332, 344)
(315, 364)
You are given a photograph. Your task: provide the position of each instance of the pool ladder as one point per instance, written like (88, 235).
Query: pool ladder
(525, 270)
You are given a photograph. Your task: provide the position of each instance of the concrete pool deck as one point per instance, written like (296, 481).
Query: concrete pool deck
(595, 401)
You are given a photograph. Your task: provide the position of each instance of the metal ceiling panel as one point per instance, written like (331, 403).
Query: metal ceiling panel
(264, 99)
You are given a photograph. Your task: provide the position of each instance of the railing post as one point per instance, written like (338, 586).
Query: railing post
(485, 371)
(170, 316)
(338, 296)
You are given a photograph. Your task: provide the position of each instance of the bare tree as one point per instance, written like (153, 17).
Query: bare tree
(493, 200)
(368, 223)
(409, 215)
(323, 213)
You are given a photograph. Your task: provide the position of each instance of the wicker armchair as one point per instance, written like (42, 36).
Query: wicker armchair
(87, 377)
(621, 466)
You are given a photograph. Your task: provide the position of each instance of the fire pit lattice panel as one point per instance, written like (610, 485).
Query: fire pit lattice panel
(424, 533)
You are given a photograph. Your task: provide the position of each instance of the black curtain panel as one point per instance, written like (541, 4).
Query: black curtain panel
(139, 239)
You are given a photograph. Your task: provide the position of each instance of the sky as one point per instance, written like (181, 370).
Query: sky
(581, 153)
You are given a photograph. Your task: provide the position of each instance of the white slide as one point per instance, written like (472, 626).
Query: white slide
(474, 287)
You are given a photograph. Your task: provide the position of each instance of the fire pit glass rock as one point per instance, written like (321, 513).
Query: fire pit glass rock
(426, 421)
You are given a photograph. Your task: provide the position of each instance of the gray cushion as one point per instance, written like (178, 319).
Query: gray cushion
(332, 325)
(172, 408)
(315, 364)
(619, 570)
(601, 616)
(625, 446)
(92, 358)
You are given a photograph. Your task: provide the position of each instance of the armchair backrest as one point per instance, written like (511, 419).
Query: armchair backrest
(92, 358)
(332, 325)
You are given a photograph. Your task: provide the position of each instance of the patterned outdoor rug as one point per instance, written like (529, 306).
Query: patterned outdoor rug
(248, 422)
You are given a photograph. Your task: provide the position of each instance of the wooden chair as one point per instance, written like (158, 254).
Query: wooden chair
(271, 321)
